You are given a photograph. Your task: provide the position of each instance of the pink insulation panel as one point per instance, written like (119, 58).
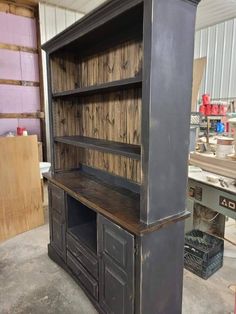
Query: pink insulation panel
(16, 99)
(17, 30)
(31, 125)
(19, 99)
(20, 66)
(7, 125)
(15, 65)
(10, 65)
(29, 66)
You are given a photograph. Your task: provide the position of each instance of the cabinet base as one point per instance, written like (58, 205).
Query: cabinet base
(52, 253)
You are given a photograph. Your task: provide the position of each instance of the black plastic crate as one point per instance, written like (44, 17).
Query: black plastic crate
(192, 264)
(202, 245)
(203, 253)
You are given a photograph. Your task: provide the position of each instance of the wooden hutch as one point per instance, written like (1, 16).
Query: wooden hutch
(120, 83)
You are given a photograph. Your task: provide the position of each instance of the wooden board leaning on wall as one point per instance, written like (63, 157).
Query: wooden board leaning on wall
(20, 194)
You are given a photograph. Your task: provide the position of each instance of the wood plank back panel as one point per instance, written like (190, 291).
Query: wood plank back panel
(119, 62)
(68, 157)
(112, 116)
(122, 61)
(20, 193)
(64, 72)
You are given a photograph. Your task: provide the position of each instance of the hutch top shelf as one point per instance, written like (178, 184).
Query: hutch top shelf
(119, 101)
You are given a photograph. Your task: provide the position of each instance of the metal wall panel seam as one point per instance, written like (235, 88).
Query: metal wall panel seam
(214, 68)
(223, 61)
(231, 60)
(207, 64)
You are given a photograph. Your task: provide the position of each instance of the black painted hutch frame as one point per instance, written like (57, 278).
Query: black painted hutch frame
(136, 265)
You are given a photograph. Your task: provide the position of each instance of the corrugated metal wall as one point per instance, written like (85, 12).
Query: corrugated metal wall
(218, 44)
(52, 21)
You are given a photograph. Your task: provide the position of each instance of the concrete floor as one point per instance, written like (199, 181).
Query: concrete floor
(31, 283)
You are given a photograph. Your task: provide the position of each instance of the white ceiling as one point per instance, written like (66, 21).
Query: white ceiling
(82, 6)
(209, 11)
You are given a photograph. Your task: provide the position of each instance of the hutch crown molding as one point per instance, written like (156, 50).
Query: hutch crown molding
(120, 83)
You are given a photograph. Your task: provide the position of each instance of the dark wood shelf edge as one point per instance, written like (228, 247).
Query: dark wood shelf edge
(111, 179)
(166, 221)
(139, 231)
(101, 147)
(110, 86)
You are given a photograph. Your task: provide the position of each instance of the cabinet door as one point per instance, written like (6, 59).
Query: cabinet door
(116, 288)
(57, 220)
(116, 251)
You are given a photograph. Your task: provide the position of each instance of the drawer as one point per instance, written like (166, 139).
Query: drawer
(88, 260)
(83, 276)
(115, 242)
(57, 199)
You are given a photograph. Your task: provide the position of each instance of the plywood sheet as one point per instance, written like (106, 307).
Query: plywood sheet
(198, 70)
(20, 190)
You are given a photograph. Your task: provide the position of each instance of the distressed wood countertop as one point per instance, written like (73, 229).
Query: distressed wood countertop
(119, 205)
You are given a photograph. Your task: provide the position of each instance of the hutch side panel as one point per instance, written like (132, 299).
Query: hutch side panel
(167, 85)
(159, 277)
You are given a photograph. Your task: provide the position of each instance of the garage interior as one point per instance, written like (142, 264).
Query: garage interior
(94, 217)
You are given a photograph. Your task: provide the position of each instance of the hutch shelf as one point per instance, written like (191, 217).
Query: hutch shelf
(119, 85)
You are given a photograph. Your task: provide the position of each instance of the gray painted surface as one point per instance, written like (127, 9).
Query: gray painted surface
(167, 83)
(161, 270)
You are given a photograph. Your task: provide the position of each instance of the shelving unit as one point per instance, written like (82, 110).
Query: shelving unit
(119, 153)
